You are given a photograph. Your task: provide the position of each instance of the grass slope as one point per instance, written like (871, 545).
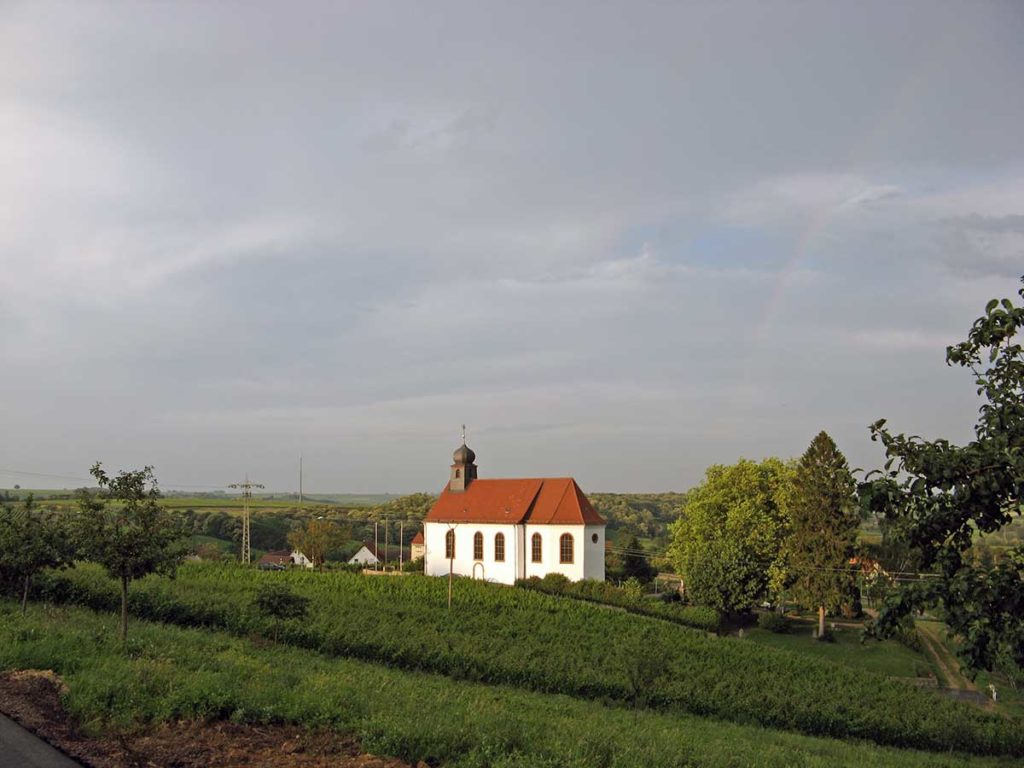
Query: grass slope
(171, 674)
(510, 636)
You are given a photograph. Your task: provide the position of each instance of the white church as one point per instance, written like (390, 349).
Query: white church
(503, 530)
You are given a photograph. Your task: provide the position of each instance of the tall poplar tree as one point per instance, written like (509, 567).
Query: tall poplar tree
(824, 516)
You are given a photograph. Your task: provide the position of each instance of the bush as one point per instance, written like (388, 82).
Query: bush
(773, 622)
(906, 635)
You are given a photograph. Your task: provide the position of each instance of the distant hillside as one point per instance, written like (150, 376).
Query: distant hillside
(645, 514)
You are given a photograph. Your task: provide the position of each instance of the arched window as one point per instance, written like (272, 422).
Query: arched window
(565, 548)
(478, 546)
(499, 547)
(458, 473)
(449, 545)
(535, 548)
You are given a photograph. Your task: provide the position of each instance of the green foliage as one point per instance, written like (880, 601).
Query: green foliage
(694, 616)
(131, 537)
(315, 538)
(906, 634)
(635, 564)
(633, 590)
(642, 514)
(29, 542)
(516, 637)
(937, 496)
(278, 601)
(176, 675)
(728, 543)
(824, 519)
(773, 622)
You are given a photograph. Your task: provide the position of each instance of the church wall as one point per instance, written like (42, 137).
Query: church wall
(593, 552)
(436, 564)
(550, 536)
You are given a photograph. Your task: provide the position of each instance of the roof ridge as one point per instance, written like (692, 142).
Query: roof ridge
(533, 501)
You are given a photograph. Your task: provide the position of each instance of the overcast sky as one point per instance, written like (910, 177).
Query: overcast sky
(620, 241)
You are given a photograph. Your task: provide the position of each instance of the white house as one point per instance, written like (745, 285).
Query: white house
(503, 530)
(282, 558)
(367, 555)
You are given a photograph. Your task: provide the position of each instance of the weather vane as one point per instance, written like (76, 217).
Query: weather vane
(463, 433)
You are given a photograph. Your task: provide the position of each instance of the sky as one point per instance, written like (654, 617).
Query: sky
(619, 241)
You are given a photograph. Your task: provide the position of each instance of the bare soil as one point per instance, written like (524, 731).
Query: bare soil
(32, 698)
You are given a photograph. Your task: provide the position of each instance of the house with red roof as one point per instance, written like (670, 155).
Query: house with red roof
(416, 548)
(507, 529)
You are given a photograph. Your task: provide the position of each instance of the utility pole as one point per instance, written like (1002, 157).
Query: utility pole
(401, 545)
(376, 546)
(451, 564)
(385, 543)
(300, 485)
(246, 489)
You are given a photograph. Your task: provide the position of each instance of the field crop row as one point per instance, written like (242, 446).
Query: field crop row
(171, 674)
(502, 635)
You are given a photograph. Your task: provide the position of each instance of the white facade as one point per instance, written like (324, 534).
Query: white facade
(301, 560)
(587, 560)
(364, 557)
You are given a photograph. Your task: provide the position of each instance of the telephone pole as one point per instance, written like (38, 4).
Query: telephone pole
(246, 489)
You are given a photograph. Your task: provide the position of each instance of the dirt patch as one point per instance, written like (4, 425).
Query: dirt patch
(33, 699)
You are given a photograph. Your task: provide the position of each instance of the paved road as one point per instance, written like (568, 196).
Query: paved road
(20, 749)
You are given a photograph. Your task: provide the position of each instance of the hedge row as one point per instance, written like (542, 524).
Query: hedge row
(604, 593)
(518, 637)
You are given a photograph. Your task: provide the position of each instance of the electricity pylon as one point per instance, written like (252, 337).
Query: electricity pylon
(246, 488)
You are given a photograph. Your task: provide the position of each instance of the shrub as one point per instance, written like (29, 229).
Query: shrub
(773, 622)
(907, 636)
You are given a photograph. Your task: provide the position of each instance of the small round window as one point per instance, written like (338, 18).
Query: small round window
(594, 538)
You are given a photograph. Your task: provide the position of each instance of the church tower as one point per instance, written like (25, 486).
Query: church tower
(463, 468)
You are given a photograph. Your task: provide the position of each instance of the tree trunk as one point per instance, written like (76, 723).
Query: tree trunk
(24, 596)
(124, 610)
(821, 621)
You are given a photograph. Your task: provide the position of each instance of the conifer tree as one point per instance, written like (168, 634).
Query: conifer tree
(824, 516)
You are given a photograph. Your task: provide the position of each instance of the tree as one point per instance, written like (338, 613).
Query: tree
(29, 542)
(824, 519)
(316, 538)
(728, 543)
(635, 563)
(124, 529)
(277, 601)
(939, 497)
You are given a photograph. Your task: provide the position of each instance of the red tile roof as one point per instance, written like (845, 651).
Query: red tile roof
(418, 538)
(545, 501)
(276, 557)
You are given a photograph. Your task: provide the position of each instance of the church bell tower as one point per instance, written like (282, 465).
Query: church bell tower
(463, 467)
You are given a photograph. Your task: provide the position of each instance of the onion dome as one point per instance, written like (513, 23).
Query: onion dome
(464, 455)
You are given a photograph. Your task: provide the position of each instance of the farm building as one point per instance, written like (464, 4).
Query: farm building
(282, 558)
(416, 546)
(507, 529)
(367, 555)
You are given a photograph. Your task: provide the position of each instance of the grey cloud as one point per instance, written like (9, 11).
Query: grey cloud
(680, 233)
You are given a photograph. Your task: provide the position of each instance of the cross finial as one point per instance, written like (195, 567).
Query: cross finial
(463, 433)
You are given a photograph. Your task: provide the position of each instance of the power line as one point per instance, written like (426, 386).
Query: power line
(90, 479)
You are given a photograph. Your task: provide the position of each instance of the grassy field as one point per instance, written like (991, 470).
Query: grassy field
(173, 674)
(533, 641)
(886, 658)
